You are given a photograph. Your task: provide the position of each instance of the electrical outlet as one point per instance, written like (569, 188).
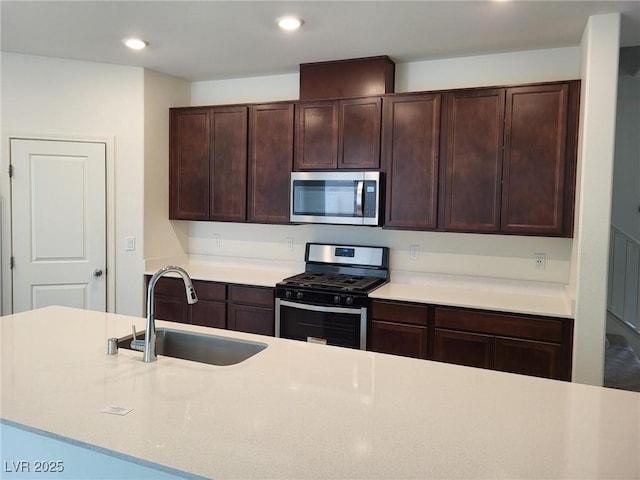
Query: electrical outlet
(540, 260)
(414, 252)
(216, 240)
(289, 243)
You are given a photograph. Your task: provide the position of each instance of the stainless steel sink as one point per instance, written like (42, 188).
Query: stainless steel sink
(200, 347)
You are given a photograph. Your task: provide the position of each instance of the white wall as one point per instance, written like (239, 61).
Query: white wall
(488, 70)
(599, 73)
(626, 170)
(54, 98)
(162, 238)
(271, 88)
(496, 256)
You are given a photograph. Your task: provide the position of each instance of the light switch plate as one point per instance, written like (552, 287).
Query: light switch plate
(130, 243)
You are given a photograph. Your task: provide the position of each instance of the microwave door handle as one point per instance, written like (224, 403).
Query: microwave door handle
(359, 198)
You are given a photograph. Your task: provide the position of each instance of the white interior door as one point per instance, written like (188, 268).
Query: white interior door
(58, 208)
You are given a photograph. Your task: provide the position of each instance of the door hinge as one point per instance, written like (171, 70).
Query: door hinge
(12, 262)
(10, 171)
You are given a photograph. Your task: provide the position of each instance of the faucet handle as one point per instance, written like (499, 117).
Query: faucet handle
(135, 343)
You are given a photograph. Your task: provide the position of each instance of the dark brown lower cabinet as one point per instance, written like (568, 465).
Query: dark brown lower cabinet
(399, 328)
(251, 309)
(524, 344)
(528, 357)
(172, 309)
(399, 339)
(170, 301)
(463, 348)
(235, 307)
(529, 345)
(211, 309)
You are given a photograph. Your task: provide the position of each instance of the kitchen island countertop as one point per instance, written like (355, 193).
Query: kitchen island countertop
(298, 410)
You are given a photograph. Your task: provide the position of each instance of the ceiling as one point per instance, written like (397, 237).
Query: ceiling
(207, 40)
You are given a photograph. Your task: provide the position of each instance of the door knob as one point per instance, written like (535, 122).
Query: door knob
(97, 272)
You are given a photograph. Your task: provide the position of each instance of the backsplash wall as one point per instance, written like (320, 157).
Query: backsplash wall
(493, 256)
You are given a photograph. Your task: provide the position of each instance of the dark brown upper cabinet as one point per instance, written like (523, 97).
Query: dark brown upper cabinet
(228, 157)
(316, 135)
(539, 159)
(189, 164)
(509, 157)
(359, 138)
(470, 197)
(208, 163)
(411, 149)
(270, 161)
(338, 134)
(485, 160)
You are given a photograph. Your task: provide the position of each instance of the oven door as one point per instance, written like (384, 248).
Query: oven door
(340, 326)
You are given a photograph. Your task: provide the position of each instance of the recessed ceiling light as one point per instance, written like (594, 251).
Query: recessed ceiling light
(290, 23)
(135, 43)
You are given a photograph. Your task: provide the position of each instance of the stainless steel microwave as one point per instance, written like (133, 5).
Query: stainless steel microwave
(345, 198)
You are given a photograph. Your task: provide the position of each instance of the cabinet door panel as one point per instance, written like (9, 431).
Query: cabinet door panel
(229, 164)
(473, 160)
(189, 164)
(270, 162)
(171, 309)
(359, 136)
(463, 348)
(244, 318)
(316, 135)
(209, 314)
(535, 159)
(397, 339)
(528, 357)
(411, 147)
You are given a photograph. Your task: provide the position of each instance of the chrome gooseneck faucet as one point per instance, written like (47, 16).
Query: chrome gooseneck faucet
(148, 345)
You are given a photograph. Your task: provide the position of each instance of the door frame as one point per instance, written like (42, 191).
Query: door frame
(6, 209)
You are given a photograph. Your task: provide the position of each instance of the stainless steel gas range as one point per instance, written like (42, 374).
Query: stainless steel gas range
(328, 302)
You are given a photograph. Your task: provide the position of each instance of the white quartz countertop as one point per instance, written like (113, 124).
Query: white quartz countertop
(532, 298)
(298, 410)
(549, 302)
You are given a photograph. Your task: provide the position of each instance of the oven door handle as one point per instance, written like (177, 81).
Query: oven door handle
(320, 308)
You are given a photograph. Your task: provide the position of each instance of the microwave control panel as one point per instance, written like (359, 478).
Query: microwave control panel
(370, 194)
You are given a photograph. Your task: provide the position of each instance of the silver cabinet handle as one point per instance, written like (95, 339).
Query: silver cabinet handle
(97, 272)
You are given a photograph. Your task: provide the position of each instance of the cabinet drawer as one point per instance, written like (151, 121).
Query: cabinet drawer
(400, 312)
(500, 324)
(259, 296)
(171, 287)
(210, 290)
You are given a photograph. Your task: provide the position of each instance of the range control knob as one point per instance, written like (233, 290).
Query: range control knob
(288, 294)
(349, 300)
(299, 295)
(337, 299)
